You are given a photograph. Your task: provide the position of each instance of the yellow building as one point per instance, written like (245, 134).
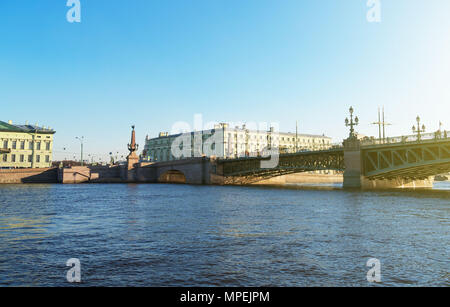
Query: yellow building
(25, 146)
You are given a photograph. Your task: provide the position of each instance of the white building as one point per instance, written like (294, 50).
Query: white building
(226, 142)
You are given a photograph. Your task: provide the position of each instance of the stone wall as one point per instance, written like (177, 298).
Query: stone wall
(92, 174)
(75, 174)
(309, 178)
(105, 174)
(29, 175)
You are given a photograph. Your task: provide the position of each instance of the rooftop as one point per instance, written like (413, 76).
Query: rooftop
(9, 127)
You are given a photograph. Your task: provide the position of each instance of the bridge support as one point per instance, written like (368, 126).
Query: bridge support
(353, 163)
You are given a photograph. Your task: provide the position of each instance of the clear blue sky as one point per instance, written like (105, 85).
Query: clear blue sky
(153, 63)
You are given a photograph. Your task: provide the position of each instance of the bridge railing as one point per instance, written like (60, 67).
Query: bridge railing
(438, 135)
(283, 151)
(337, 146)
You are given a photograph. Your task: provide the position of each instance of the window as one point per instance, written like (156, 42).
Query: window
(22, 158)
(22, 145)
(5, 158)
(38, 146)
(47, 159)
(30, 158)
(14, 144)
(47, 146)
(13, 158)
(30, 146)
(38, 158)
(5, 144)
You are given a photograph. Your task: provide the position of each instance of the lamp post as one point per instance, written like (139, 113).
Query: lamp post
(81, 142)
(352, 123)
(111, 158)
(418, 130)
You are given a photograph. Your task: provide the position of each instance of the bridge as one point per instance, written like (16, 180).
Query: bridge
(368, 163)
(250, 170)
(395, 162)
(405, 161)
(399, 158)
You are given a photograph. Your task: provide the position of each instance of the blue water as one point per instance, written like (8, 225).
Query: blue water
(180, 235)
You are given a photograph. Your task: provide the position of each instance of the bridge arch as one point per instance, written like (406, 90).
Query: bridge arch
(172, 176)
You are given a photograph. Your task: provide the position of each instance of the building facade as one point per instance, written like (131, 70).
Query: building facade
(25, 146)
(226, 142)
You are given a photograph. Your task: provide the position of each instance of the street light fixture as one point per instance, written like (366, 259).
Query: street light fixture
(418, 130)
(352, 123)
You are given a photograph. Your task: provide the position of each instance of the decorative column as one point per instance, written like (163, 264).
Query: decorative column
(132, 158)
(353, 163)
(352, 155)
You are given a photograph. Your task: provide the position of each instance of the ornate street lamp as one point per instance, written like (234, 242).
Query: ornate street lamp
(352, 123)
(418, 130)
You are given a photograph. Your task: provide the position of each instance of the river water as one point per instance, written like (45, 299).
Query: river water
(181, 235)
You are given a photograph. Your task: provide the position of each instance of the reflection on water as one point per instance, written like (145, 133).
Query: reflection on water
(438, 185)
(442, 185)
(177, 235)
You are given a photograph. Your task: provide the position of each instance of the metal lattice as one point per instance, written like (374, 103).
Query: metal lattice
(407, 160)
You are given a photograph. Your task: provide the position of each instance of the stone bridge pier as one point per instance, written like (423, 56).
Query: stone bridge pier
(353, 176)
(190, 171)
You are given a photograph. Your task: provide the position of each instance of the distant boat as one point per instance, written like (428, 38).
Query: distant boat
(440, 178)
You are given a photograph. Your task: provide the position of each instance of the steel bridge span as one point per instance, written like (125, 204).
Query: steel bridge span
(414, 160)
(406, 160)
(250, 169)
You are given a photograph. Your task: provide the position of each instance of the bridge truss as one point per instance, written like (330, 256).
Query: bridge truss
(251, 170)
(417, 160)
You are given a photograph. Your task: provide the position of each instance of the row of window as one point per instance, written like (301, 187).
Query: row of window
(254, 137)
(283, 139)
(287, 139)
(21, 145)
(304, 142)
(21, 158)
(162, 155)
